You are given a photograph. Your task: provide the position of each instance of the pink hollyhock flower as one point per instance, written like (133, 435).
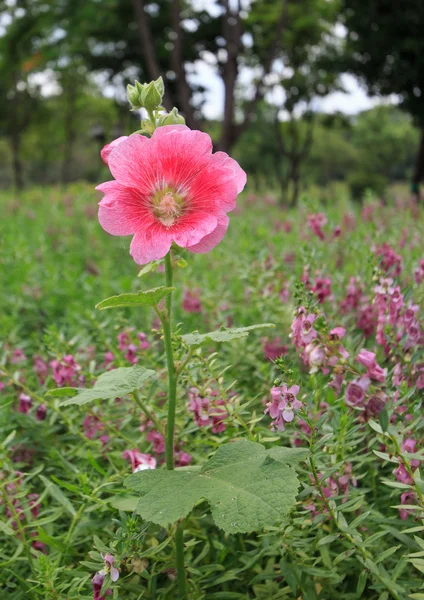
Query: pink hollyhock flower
(374, 371)
(139, 461)
(105, 152)
(25, 404)
(169, 188)
(355, 391)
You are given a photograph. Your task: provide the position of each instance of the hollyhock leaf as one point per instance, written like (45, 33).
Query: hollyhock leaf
(246, 488)
(63, 392)
(113, 384)
(221, 335)
(144, 298)
(288, 456)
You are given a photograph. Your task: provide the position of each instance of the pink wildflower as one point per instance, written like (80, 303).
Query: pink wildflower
(25, 404)
(41, 412)
(157, 441)
(169, 188)
(41, 369)
(139, 461)
(273, 348)
(374, 371)
(65, 371)
(406, 498)
(97, 583)
(322, 288)
(316, 222)
(355, 391)
(18, 356)
(419, 272)
(282, 406)
(191, 301)
(142, 338)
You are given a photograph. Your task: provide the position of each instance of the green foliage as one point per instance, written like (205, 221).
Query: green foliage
(110, 385)
(247, 487)
(143, 298)
(223, 335)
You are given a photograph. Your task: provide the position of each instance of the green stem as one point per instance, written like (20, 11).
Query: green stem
(179, 548)
(172, 379)
(166, 319)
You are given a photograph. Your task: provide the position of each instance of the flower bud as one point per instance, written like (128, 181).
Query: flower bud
(134, 95)
(151, 96)
(172, 118)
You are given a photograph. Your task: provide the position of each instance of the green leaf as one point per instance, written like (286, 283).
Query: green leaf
(112, 384)
(151, 266)
(6, 529)
(63, 392)
(147, 298)
(328, 539)
(386, 554)
(58, 495)
(222, 335)
(362, 580)
(246, 488)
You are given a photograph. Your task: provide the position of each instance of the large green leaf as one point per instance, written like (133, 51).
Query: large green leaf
(110, 385)
(221, 335)
(246, 486)
(147, 298)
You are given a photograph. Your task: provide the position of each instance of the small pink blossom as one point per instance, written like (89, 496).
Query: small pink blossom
(355, 391)
(139, 461)
(41, 412)
(273, 348)
(282, 406)
(316, 222)
(41, 369)
(407, 498)
(374, 371)
(25, 403)
(97, 583)
(18, 356)
(169, 188)
(191, 301)
(142, 338)
(157, 440)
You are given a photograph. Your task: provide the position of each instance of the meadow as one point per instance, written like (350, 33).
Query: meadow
(338, 280)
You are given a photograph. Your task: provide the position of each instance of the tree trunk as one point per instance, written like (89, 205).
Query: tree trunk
(148, 46)
(16, 161)
(419, 168)
(70, 133)
(177, 58)
(232, 34)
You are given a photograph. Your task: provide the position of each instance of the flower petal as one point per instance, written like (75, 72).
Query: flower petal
(151, 243)
(212, 239)
(192, 228)
(132, 164)
(122, 209)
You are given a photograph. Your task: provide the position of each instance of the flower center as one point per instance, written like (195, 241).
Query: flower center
(168, 209)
